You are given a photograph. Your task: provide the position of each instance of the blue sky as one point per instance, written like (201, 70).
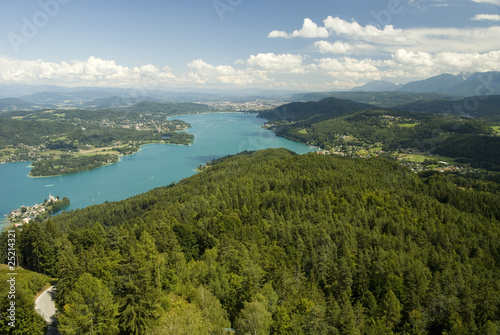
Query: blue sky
(275, 44)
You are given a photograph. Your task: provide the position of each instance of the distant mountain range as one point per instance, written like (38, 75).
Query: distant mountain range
(13, 103)
(377, 86)
(487, 107)
(381, 93)
(386, 99)
(462, 85)
(46, 96)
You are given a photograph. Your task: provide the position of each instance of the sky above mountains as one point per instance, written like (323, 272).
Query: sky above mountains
(276, 44)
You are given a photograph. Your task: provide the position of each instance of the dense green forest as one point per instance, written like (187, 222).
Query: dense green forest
(28, 284)
(68, 141)
(485, 107)
(381, 99)
(64, 135)
(314, 111)
(67, 164)
(271, 242)
(334, 124)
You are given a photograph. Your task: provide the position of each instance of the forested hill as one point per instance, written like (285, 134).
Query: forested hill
(276, 243)
(322, 110)
(348, 128)
(485, 107)
(170, 108)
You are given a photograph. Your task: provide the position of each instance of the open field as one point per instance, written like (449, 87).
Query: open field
(420, 158)
(407, 125)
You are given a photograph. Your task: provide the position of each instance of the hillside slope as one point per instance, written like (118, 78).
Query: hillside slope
(321, 110)
(282, 243)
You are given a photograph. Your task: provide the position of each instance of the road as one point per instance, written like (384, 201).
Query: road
(44, 305)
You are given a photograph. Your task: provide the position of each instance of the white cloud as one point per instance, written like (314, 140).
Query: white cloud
(410, 58)
(284, 63)
(369, 33)
(204, 73)
(349, 68)
(408, 64)
(278, 33)
(94, 71)
(338, 47)
(423, 64)
(453, 39)
(494, 2)
(486, 17)
(309, 29)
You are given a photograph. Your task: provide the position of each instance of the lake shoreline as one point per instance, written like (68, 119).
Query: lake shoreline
(153, 165)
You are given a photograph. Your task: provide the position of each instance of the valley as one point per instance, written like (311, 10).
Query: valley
(389, 226)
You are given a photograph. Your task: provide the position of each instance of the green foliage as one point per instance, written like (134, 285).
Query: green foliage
(70, 164)
(171, 108)
(254, 318)
(272, 242)
(381, 99)
(89, 309)
(27, 321)
(468, 140)
(180, 138)
(50, 138)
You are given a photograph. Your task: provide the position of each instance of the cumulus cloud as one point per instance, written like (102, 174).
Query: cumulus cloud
(404, 63)
(338, 47)
(408, 64)
(486, 17)
(454, 39)
(309, 29)
(346, 67)
(368, 33)
(448, 61)
(94, 71)
(279, 33)
(204, 73)
(284, 63)
(494, 2)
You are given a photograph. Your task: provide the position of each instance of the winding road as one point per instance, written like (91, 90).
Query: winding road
(44, 305)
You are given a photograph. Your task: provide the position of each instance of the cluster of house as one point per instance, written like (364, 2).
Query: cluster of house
(25, 214)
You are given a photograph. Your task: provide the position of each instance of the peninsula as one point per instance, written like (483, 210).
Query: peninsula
(39, 212)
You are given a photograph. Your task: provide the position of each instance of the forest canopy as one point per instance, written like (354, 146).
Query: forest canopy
(271, 242)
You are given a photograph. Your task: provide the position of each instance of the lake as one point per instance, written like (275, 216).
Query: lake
(216, 135)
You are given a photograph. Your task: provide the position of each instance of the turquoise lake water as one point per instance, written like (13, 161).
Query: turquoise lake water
(216, 135)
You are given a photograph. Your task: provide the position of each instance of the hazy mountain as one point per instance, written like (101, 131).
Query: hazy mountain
(463, 84)
(380, 99)
(19, 90)
(433, 84)
(13, 103)
(442, 87)
(377, 86)
(486, 83)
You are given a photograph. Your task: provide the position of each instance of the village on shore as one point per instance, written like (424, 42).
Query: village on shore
(26, 214)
